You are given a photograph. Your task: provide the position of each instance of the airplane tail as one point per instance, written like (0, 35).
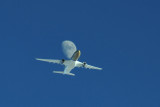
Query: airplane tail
(62, 72)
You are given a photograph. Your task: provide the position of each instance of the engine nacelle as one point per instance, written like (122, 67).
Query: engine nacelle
(84, 63)
(62, 61)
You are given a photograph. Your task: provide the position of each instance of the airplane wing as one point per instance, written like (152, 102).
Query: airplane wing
(50, 60)
(80, 64)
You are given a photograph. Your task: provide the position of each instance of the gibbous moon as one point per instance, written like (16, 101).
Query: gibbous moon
(68, 48)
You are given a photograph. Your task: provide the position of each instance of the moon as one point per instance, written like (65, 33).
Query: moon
(68, 48)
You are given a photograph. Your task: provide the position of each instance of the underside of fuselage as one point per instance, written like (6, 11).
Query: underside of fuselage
(69, 64)
(74, 57)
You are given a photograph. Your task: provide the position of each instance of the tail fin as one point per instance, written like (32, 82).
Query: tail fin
(62, 72)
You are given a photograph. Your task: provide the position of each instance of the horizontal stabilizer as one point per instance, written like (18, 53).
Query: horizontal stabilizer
(71, 74)
(62, 72)
(59, 72)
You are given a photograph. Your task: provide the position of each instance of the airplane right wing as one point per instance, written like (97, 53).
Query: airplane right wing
(92, 67)
(80, 64)
(50, 60)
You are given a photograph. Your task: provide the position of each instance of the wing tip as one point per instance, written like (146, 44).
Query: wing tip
(37, 59)
(100, 68)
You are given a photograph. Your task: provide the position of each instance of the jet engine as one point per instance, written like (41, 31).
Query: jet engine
(84, 63)
(62, 61)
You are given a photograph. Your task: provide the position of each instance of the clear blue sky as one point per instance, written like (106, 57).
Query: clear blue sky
(120, 36)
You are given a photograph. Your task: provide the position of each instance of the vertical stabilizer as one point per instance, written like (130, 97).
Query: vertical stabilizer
(76, 55)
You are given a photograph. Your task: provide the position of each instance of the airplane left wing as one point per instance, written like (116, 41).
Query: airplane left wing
(80, 64)
(50, 60)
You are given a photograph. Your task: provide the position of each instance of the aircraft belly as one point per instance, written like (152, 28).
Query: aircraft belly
(69, 65)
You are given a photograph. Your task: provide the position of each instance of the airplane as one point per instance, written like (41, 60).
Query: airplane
(70, 64)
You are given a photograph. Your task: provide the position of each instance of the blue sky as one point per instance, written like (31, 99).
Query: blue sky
(120, 36)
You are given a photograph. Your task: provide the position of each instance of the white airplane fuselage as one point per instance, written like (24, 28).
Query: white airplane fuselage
(70, 64)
